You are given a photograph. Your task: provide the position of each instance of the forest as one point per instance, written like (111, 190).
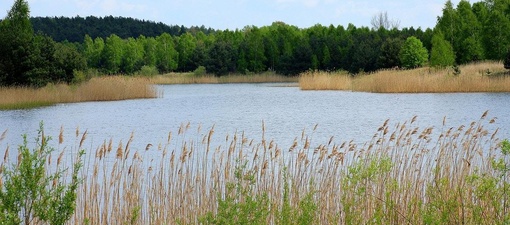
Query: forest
(50, 49)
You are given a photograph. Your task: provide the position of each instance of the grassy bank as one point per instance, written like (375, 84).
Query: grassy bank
(190, 78)
(476, 77)
(97, 89)
(404, 175)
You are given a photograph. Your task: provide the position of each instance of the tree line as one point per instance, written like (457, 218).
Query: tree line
(75, 28)
(463, 34)
(280, 47)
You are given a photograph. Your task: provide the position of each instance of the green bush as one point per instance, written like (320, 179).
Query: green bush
(148, 71)
(238, 206)
(200, 71)
(30, 193)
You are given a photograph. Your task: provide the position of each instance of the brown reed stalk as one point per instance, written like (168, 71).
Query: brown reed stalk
(432, 171)
(475, 77)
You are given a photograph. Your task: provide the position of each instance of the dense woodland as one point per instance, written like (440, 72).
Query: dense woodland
(74, 29)
(464, 33)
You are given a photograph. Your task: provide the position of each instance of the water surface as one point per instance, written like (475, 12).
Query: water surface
(231, 108)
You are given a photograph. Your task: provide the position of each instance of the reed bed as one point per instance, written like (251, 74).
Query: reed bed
(189, 78)
(475, 77)
(403, 175)
(97, 89)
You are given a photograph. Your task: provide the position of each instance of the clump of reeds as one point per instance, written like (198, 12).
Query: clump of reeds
(97, 89)
(475, 77)
(190, 78)
(321, 80)
(403, 175)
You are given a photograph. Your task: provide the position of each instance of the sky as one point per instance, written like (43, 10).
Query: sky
(236, 14)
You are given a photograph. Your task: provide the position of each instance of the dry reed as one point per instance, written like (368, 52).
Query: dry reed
(189, 78)
(475, 77)
(401, 176)
(97, 89)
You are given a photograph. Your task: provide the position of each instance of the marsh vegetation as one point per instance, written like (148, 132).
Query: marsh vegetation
(97, 89)
(404, 174)
(475, 77)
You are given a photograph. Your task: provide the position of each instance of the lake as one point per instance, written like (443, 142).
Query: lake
(284, 110)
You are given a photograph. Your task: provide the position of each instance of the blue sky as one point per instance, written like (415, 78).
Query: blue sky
(232, 14)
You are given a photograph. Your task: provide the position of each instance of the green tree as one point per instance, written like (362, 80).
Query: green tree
(149, 50)
(449, 24)
(112, 54)
(68, 60)
(390, 50)
(326, 57)
(220, 59)
(93, 50)
(16, 35)
(442, 52)
(470, 43)
(166, 55)
(496, 35)
(253, 46)
(132, 60)
(186, 45)
(413, 54)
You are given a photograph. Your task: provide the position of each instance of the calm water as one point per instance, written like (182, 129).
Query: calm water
(230, 108)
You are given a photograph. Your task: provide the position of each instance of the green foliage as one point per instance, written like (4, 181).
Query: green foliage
(16, 36)
(31, 193)
(200, 71)
(166, 55)
(148, 71)
(442, 54)
(186, 45)
(112, 54)
(497, 35)
(473, 32)
(221, 58)
(390, 50)
(357, 187)
(304, 214)
(238, 206)
(68, 60)
(32, 60)
(413, 54)
(507, 60)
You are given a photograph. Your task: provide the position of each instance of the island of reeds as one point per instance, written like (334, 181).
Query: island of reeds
(404, 175)
(474, 77)
(96, 89)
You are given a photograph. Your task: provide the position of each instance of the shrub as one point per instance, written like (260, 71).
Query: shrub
(30, 193)
(239, 206)
(148, 71)
(200, 71)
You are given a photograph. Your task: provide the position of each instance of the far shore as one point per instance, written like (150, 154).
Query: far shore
(475, 77)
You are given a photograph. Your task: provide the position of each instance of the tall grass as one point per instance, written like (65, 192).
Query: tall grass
(190, 78)
(476, 77)
(97, 89)
(403, 175)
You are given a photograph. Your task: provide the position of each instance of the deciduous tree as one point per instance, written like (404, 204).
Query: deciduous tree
(413, 54)
(442, 52)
